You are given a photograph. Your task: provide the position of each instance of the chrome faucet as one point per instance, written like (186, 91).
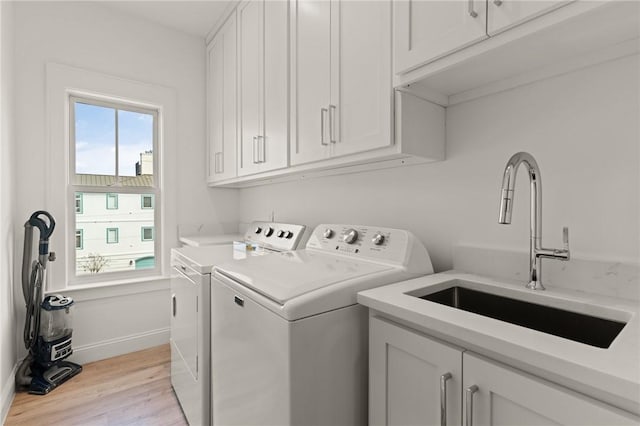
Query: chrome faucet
(536, 252)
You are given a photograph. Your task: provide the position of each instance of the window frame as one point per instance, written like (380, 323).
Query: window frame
(73, 278)
(153, 233)
(117, 236)
(79, 196)
(81, 235)
(115, 198)
(142, 197)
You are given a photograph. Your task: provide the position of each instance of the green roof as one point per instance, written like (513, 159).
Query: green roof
(107, 180)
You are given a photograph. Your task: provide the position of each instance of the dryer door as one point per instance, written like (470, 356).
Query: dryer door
(184, 317)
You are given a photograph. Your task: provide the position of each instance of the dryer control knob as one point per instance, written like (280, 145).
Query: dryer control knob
(378, 239)
(328, 233)
(281, 233)
(288, 235)
(258, 230)
(350, 236)
(268, 232)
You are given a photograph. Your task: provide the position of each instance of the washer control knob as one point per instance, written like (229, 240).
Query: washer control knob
(328, 233)
(258, 230)
(281, 233)
(350, 236)
(288, 235)
(268, 232)
(378, 239)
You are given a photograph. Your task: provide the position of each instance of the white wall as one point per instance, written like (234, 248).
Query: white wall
(7, 311)
(581, 127)
(88, 36)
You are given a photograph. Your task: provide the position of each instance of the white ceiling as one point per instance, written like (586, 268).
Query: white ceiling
(192, 17)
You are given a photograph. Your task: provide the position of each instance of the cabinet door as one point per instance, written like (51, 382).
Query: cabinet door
(276, 85)
(310, 73)
(250, 64)
(184, 318)
(221, 103)
(506, 396)
(361, 87)
(504, 14)
(425, 30)
(405, 374)
(263, 32)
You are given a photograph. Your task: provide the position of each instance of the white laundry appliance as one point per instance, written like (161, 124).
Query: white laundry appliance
(190, 307)
(289, 341)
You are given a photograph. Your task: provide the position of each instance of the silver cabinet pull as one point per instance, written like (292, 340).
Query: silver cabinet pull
(323, 111)
(173, 304)
(332, 122)
(255, 144)
(218, 167)
(472, 12)
(497, 2)
(469, 404)
(262, 147)
(443, 398)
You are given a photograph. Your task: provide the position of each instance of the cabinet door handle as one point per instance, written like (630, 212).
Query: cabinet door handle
(497, 2)
(262, 147)
(472, 12)
(332, 122)
(173, 305)
(443, 398)
(469, 404)
(323, 111)
(218, 168)
(255, 144)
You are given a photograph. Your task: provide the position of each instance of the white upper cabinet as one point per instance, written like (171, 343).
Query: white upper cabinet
(263, 78)
(504, 14)
(341, 91)
(221, 103)
(425, 30)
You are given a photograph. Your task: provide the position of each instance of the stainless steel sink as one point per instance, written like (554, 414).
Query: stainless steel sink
(594, 331)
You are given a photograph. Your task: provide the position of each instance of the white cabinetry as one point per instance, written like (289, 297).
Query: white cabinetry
(426, 30)
(504, 14)
(263, 65)
(341, 91)
(221, 103)
(411, 376)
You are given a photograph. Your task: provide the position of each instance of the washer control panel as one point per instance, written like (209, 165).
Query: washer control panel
(385, 244)
(275, 235)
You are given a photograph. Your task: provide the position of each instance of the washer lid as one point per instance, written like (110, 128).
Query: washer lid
(284, 276)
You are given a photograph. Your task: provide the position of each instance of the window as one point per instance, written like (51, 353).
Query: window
(79, 203)
(112, 170)
(147, 202)
(79, 239)
(147, 233)
(112, 235)
(112, 201)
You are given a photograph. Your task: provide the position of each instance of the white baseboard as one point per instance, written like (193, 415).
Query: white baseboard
(7, 393)
(119, 346)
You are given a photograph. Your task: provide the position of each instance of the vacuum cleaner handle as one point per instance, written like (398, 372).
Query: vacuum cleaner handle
(45, 230)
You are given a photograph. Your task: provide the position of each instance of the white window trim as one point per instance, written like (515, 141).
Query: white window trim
(62, 82)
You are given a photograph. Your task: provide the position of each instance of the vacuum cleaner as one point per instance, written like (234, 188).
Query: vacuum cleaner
(47, 328)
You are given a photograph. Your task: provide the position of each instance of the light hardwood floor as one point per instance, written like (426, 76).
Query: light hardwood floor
(132, 389)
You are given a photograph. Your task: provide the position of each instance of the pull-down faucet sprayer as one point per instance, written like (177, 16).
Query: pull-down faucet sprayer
(536, 252)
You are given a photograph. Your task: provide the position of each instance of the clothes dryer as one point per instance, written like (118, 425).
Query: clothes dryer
(190, 307)
(289, 341)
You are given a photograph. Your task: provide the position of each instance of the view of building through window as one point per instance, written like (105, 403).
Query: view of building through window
(115, 226)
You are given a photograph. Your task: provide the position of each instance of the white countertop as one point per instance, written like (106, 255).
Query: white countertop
(611, 374)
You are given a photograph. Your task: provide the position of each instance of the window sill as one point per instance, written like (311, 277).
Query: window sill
(117, 288)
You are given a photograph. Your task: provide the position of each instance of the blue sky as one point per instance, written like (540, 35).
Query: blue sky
(95, 139)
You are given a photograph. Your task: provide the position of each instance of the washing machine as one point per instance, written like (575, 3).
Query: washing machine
(191, 313)
(289, 341)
